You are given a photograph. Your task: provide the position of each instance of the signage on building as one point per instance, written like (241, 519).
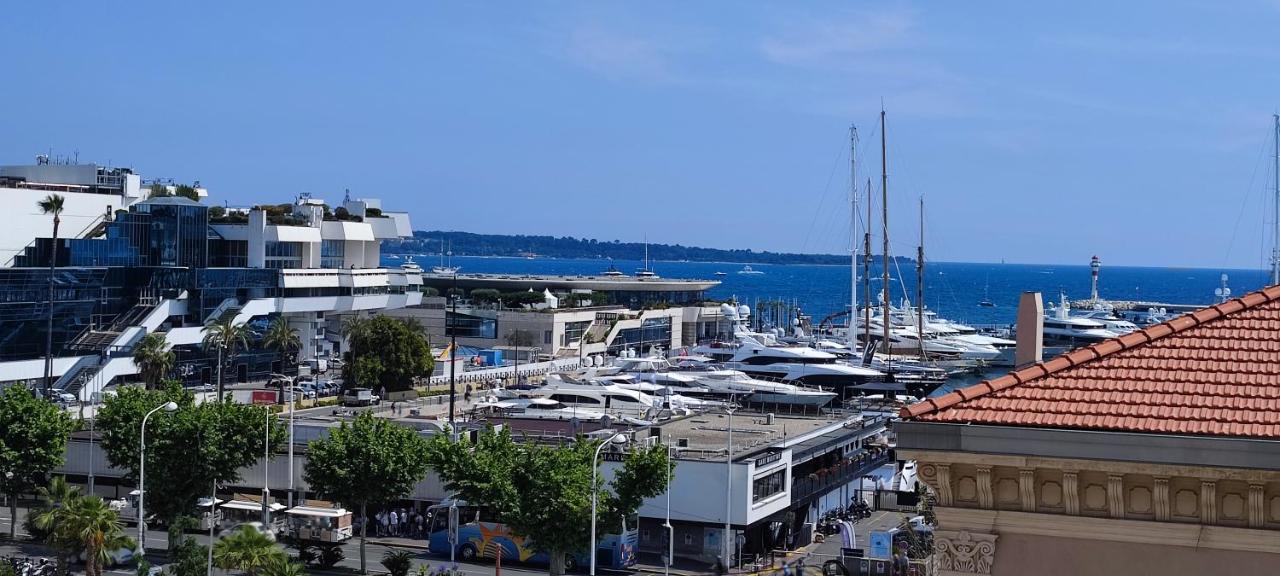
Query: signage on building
(264, 397)
(881, 544)
(768, 459)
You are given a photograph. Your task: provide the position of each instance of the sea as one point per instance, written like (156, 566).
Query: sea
(952, 289)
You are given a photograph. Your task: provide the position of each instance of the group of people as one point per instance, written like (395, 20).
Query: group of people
(402, 522)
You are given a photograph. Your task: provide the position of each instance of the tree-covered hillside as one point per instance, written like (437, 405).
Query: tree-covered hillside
(468, 244)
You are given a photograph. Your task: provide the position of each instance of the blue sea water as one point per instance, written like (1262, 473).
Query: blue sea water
(953, 289)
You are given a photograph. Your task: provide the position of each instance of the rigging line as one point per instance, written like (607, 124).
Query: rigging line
(804, 246)
(1262, 149)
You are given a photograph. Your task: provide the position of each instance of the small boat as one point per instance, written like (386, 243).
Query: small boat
(986, 299)
(987, 303)
(749, 270)
(720, 274)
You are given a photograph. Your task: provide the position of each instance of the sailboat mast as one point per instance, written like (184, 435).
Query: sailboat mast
(920, 283)
(866, 268)
(884, 221)
(853, 238)
(1275, 234)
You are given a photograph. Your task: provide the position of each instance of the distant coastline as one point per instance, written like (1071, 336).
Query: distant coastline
(568, 247)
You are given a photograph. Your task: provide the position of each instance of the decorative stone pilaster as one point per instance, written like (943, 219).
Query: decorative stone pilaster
(1161, 498)
(1027, 489)
(985, 500)
(1115, 495)
(1071, 493)
(1256, 511)
(1208, 502)
(944, 485)
(963, 553)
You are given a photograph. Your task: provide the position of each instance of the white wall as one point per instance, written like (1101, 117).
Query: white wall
(23, 222)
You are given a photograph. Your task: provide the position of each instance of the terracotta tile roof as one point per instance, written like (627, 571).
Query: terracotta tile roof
(1213, 372)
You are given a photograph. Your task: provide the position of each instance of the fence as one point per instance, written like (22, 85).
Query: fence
(488, 375)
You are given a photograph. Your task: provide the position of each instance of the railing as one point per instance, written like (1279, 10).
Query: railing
(837, 475)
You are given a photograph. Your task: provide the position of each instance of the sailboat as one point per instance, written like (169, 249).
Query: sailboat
(646, 272)
(986, 299)
(445, 269)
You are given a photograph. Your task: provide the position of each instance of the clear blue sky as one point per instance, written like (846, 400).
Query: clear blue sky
(1138, 131)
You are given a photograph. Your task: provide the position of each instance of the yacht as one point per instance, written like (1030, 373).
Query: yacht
(737, 383)
(790, 364)
(410, 266)
(1061, 328)
(749, 270)
(545, 409)
(609, 398)
(718, 273)
(1110, 321)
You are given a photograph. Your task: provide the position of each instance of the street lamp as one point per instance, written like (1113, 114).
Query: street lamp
(142, 476)
(728, 481)
(266, 469)
(618, 439)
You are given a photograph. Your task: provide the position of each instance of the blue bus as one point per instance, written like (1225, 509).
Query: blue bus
(481, 534)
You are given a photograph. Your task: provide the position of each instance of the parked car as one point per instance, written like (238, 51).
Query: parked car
(115, 558)
(360, 397)
(302, 392)
(255, 526)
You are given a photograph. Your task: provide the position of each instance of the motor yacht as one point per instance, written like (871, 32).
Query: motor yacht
(1061, 328)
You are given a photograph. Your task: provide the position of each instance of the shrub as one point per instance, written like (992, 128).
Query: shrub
(397, 562)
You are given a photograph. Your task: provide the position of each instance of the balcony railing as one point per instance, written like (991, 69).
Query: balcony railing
(837, 475)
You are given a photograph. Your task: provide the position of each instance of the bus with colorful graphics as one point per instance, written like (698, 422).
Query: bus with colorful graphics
(477, 532)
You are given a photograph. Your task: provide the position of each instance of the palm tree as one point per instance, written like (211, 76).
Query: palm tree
(53, 498)
(51, 204)
(89, 524)
(245, 549)
(226, 337)
(282, 566)
(283, 338)
(153, 358)
(353, 329)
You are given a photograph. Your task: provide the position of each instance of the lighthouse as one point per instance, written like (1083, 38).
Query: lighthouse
(1094, 265)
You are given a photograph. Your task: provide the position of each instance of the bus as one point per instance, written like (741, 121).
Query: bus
(481, 534)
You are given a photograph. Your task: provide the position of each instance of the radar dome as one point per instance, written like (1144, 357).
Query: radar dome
(728, 311)
(744, 310)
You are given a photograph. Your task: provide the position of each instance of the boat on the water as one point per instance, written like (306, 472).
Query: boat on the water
(747, 269)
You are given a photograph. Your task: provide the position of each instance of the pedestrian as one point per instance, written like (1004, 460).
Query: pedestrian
(422, 529)
(384, 523)
(466, 396)
(395, 523)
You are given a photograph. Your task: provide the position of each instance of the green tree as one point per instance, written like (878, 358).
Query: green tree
(33, 441)
(370, 461)
(282, 338)
(158, 190)
(188, 192)
(188, 558)
(51, 204)
(516, 299)
(153, 358)
(544, 493)
(217, 212)
(188, 449)
(247, 550)
(228, 336)
(353, 330)
(485, 295)
(86, 523)
(401, 352)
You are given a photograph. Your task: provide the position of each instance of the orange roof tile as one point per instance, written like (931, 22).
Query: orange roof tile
(1214, 372)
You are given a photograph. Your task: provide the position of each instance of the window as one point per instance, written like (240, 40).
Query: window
(768, 485)
(574, 399)
(546, 336)
(688, 539)
(332, 253)
(573, 332)
(283, 254)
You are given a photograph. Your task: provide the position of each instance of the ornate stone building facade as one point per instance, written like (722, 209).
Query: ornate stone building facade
(1154, 453)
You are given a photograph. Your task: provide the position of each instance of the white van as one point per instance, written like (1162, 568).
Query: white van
(360, 397)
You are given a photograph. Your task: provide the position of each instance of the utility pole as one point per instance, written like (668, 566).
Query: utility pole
(453, 349)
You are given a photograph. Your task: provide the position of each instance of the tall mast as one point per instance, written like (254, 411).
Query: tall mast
(920, 283)
(853, 238)
(1275, 234)
(866, 268)
(884, 215)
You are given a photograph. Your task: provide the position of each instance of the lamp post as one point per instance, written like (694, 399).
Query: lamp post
(671, 533)
(266, 468)
(293, 407)
(453, 348)
(615, 439)
(728, 484)
(142, 476)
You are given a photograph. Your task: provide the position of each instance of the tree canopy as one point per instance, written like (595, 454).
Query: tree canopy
(544, 492)
(188, 449)
(33, 441)
(387, 353)
(368, 461)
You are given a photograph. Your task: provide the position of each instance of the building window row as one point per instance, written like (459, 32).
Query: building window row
(768, 485)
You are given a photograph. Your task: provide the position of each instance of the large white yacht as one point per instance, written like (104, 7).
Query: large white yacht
(609, 398)
(735, 383)
(1061, 328)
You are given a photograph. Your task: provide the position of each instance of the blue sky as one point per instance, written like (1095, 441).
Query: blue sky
(1139, 131)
